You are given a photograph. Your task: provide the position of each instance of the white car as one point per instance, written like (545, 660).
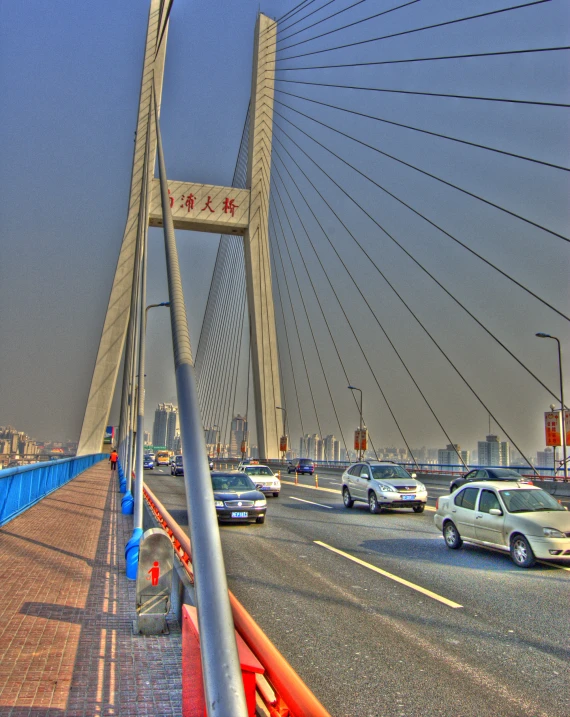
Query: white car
(382, 484)
(264, 478)
(247, 462)
(523, 520)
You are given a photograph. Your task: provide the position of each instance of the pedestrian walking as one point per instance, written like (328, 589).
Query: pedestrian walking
(114, 457)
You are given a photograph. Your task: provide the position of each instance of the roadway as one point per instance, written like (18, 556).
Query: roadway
(469, 635)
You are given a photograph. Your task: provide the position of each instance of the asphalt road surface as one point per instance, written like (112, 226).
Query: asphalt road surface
(380, 619)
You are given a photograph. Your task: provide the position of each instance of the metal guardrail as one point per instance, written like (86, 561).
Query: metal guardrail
(23, 486)
(281, 689)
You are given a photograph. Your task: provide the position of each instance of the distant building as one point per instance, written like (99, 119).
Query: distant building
(491, 452)
(238, 434)
(164, 425)
(545, 459)
(336, 450)
(304, 446)
(448, 456)
(328, 448)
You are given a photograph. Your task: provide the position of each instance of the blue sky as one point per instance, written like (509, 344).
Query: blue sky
(70, 75)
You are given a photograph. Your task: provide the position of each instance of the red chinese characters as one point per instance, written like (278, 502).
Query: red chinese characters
(230, 206)
(208, 205)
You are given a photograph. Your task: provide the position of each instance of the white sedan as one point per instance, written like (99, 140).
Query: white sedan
(264, 478)
(521, 519)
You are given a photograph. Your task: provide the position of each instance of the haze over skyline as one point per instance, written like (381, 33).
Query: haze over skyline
(71, 74)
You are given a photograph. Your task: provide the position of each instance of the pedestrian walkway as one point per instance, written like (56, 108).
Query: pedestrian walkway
(66, 612)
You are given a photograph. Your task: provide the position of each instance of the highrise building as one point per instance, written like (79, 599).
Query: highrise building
(336, 450)
(164, 426)
(328, 453)
(171, 428)
(312, 442)
(304, 446)
(238, 434)
(449, 457)
(491, 452)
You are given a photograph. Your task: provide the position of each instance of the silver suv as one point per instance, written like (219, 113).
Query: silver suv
(382, 484)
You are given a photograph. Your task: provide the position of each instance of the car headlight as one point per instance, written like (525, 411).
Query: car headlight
(553, 533)
(260, 503)
(386, 488)
(420, 486)
(219, 503)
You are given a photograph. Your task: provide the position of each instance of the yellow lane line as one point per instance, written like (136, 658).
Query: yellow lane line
(408, 584)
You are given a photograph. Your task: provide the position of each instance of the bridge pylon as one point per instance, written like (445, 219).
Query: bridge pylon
(205, 208)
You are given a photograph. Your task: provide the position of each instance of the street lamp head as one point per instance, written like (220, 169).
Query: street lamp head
(353, 388)
(165, 303)
(542, 335)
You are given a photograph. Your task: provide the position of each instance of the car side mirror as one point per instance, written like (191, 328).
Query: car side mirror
(495, 511)
(366, 476)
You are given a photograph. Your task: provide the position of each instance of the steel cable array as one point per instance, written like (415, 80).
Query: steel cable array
(284, 267)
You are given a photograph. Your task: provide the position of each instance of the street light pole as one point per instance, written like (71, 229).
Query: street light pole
(353, 388)
(153, 306)
(563, 424)
(284, 426)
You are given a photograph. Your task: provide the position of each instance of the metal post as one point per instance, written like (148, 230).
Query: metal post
(562, 405)
(284, 426)
(223, 683)
(353, 388)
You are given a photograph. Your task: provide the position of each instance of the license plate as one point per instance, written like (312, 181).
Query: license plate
(408, 497)
(242, 514)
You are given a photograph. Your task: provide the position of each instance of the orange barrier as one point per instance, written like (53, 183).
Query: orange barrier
(281, 690)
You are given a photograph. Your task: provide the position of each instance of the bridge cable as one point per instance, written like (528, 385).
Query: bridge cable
(164, 24)
(316, 294)
(423, 131)
(424, 172)
(277, 154)
(300, 294)
(422, 216)
(317, 22)
(411, 31)
(286, 335)
(411, 311)
(235, 380)
(424, 94)
(344, 27)
(299, 342)
(471, 55)
(420, 266)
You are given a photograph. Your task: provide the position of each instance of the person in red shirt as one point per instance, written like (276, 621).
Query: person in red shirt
(114, 457)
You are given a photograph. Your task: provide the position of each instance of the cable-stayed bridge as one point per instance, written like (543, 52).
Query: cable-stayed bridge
(396, 223)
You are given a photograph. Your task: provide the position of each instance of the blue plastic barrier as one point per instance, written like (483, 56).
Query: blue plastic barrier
(23, 486)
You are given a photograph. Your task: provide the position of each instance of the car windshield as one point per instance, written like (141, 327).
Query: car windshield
(528, 501)
(258, 471)
(232, 482)
(387, 472)
(179, 459)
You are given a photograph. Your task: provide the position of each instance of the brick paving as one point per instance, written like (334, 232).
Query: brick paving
(66, 611)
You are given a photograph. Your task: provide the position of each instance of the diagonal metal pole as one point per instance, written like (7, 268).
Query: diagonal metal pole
(223, 683)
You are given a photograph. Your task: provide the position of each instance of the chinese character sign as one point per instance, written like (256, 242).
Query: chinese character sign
(552, 428)
(361, 439)
(283, 444)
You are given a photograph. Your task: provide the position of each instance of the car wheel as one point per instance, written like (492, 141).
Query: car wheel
(261, 519)
(452, 487)
(419, 508)
(276, 495)
(521, 552)
(451, 536)
(347, 500)
(373, 502)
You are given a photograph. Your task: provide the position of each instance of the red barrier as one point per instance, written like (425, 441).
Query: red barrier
(292, 697)
(193, 700)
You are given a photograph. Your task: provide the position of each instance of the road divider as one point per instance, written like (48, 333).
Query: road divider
(386, 574)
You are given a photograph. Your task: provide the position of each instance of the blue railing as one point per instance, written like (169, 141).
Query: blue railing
(23, 486)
